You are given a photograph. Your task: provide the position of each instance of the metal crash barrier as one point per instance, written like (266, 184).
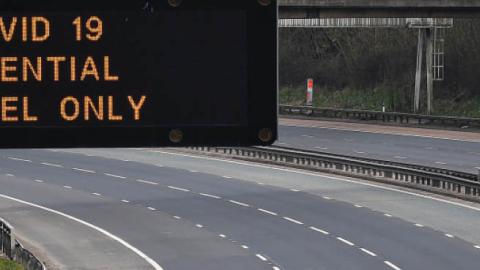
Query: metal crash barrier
(13, 250)
(441, 181)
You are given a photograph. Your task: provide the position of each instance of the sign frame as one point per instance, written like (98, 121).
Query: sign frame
(262, 83)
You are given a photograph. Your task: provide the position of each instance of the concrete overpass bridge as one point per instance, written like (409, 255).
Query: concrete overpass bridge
(377, 8)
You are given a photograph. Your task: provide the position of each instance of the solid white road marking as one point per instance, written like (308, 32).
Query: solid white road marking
(419, 225)
(209, 195)
(449, 235)
(261, 257)
(293, 220)
(146, 182)
(125, 201)
(154, 264)
(115, 176)
(83, 170)
(178, 189)
(267, 212)
(319, 230)
(52, 165)
(19, 159)
(239, 203)
(368, 252)
(345, 241)
(393, 266)
(151, 208)
(305, 172)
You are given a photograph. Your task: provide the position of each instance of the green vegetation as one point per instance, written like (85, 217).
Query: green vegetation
(365, 68)
(374, 100)
(9, 265)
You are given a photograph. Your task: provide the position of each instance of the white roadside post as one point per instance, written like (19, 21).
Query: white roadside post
(309, 92)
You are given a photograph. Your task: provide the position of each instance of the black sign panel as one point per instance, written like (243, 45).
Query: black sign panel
(109, 73)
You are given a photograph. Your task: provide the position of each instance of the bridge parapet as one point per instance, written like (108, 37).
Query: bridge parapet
(377, 8)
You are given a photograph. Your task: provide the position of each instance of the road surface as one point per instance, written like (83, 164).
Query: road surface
(168, 210)
(434, 148)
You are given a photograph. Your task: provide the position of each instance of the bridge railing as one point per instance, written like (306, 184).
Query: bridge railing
(393, 117)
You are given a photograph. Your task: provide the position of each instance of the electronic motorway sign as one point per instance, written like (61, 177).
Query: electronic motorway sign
(110, 73)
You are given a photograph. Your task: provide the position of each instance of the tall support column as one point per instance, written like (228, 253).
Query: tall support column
(429, 52)
(418, 73)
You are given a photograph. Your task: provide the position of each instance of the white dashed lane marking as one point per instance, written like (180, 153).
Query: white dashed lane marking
(83, 170)
(19, 159)
(147, 182)
(308, 136)
(319, 230)
(67, 187)
(391, 265)
(345, 241)
(177, 217)
(368, 252)
(321, 148)
(209, 195)
(267, 212)
(358, 206)
(151, 208)
(440, 163)
(227, 177)
(477, 247)
(449, 235)
(115, 176)
(125, 201)
(293, 220)
(419, 225)
(222, 235)
(239, 203)
(387, 215)
(96, 194)
(199, 225)
(261, 257)
(9, 174)
(294, 190)
(327, 198)
(400, 157)
(38, 181)
(245, 247)
(51, 164)
(178, 189)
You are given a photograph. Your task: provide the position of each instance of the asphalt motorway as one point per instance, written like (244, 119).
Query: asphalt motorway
(162, 209)
(453, 154)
